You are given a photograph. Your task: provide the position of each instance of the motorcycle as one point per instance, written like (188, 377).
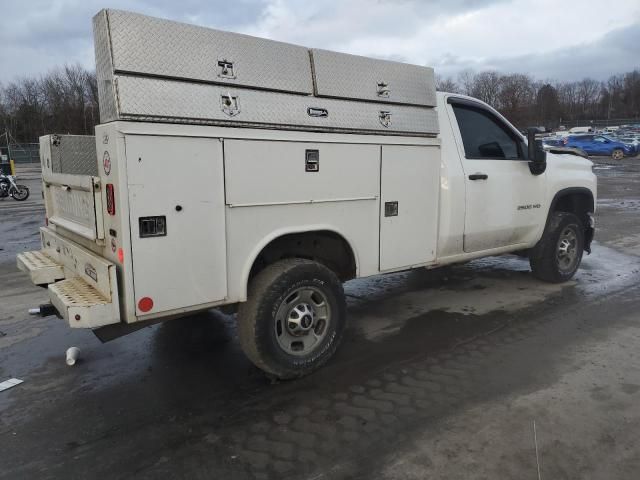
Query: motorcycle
(9, 187)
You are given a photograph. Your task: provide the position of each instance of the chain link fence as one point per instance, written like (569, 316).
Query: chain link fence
(24, 152)
(613, 122)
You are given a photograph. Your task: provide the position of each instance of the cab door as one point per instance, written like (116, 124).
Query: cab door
(505, 202)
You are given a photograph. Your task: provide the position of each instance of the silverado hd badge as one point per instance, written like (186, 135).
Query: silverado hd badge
(529, 206)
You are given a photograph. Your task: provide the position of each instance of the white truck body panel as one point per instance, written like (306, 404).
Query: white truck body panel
(192, 200)
(410, 177)
(270, 173)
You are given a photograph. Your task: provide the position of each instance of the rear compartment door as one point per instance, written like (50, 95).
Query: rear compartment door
(410, 192)
(176, 208)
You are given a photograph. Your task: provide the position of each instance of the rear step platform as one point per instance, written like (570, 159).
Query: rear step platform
(82, 305)
(42, 269)
(83, 286)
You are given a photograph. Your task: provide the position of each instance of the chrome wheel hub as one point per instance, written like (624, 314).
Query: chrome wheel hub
(302, 320)
(567, 251)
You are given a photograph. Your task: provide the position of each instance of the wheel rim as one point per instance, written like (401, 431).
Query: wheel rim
(617, 154)
(20, 193)
(302, 321)
(567, 250)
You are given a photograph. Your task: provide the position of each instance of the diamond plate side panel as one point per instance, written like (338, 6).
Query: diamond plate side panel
(56, 160)
(74, 154)
(75, 206)
(162, 48)
(172, 101)
(350, 76)
(104, 68)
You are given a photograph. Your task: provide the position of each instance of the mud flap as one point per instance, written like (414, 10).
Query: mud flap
(589, 232)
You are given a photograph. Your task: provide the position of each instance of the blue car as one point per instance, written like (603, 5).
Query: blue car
(600, 145)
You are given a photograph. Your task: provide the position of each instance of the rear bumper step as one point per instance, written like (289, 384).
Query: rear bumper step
(81, 304)
(83, 287)
(40, 266)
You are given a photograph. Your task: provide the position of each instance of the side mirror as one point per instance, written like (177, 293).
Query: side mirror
(536, 154)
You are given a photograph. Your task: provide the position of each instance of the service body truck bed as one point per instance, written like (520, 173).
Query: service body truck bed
(259, 174)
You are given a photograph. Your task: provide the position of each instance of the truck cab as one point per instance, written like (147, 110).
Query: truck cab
(266, 200)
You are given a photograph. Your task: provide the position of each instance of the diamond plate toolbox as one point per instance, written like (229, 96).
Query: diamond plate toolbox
(340, 75)
(74, 154)
(150, 69)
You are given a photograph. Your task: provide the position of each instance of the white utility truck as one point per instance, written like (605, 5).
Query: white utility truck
(236, 171)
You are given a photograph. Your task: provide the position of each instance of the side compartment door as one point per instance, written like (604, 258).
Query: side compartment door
(504, 200)
(176, 209)
(410, 190)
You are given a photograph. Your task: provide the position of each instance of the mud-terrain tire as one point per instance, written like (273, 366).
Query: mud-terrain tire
(617, 154)
(557, 256)
(293, 319)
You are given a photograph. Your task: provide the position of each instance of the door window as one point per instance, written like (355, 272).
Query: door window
(484, 136)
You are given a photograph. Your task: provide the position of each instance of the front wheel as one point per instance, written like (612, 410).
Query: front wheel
(293, 319)
(20, 193)
(558, 254)
(617, 154)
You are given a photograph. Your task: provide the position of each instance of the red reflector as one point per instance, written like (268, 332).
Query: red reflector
(121, 255)
(145, 304)
(111, 200)
(46, 221)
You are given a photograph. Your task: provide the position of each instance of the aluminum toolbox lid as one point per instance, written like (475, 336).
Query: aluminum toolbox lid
(341, 75)
(172, 101)
(142, 45)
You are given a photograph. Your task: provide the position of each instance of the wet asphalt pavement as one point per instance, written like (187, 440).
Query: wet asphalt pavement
(473, 371)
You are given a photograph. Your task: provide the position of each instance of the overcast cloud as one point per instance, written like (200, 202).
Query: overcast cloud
(549, 39)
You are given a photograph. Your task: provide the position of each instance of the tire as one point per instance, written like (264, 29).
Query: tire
(21, 194)
(294, 318)
(617, 154)
(557, 256)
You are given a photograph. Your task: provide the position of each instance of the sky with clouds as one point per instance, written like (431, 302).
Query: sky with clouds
(549, 39)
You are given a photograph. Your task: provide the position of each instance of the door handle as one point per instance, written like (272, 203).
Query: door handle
(478, 176)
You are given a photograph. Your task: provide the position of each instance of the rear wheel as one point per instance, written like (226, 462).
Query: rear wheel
(558, 254)
(20, 193)
(617, 154)
(293, 319)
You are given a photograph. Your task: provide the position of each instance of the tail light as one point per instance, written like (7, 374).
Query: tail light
(111, 200)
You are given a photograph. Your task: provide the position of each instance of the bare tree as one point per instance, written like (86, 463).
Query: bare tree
(486, 86)
(465, 80)
(446, 85)
(588, 91)
(548, 105)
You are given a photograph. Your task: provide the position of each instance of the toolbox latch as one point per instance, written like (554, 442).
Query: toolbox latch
(383, 90)
(230, 104)
(225, 69)
(385, 118)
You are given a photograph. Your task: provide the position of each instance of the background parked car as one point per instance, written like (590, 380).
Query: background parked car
(600, 145)
(581, 130)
